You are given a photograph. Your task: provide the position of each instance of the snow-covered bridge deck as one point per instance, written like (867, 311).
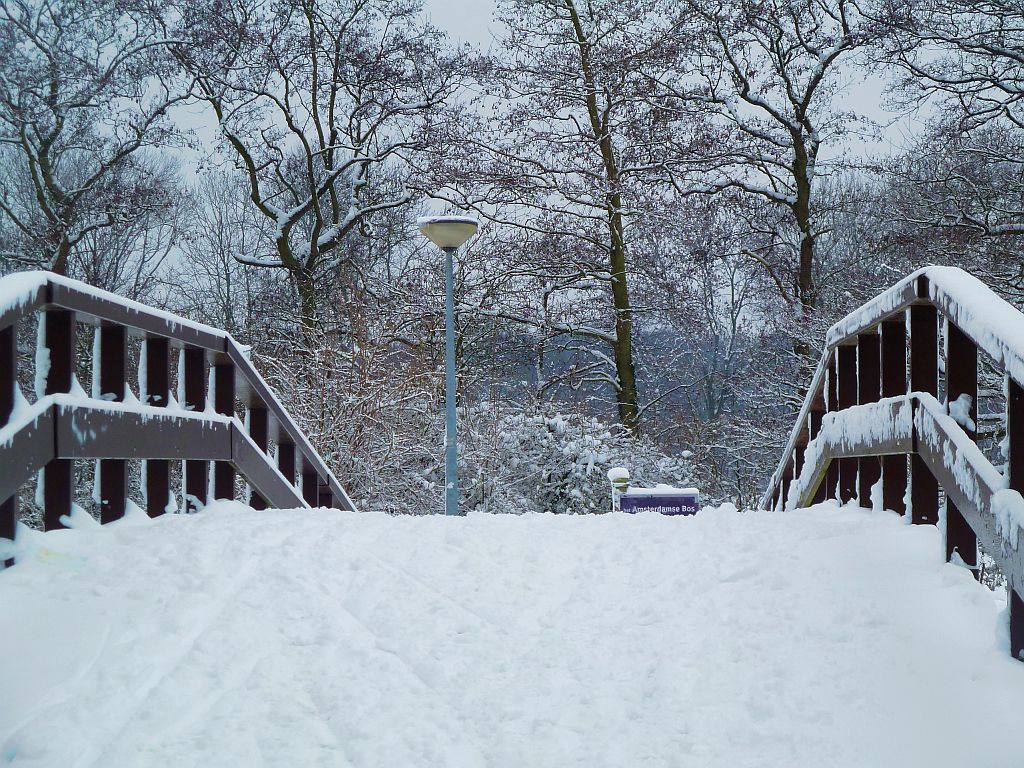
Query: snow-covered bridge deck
(821, 637)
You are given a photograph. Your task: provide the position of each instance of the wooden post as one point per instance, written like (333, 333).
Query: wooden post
(157, 377)
(311, 488)
(59, 474)
(258, 431)
(894, 383)
(224, 404)
(846, 369)
(112, 369)
(286, 461)
(832, 404)
(8, 388)
(1015, 476)
(961, 379)
(869, 390)
(924, 377)
(787, 481)
(194, 386)
(815, 429)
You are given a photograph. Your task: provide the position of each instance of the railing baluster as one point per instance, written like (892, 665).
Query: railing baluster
(924, 377)
(832, 404)
(815, 427)
(1015, 478)
(311, 488)
(787, 481)
(112, 369)
(157, 376)
(961, 379)
(894, 383)
(286, 460)
(258, 431)
(847, 391)
(59, 474)
(869, 390)
(194, 389)
(224, 404)
(8, 387)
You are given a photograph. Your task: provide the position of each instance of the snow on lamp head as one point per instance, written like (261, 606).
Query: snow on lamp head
(447, 231)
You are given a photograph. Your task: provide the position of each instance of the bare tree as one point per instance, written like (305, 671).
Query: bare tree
(964, 60)
(80, 103)
(765, 77)
(315, 100)
(572, 137)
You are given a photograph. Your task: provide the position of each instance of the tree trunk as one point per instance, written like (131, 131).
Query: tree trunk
(622, 349)
(308, 300)
(60, 258)
(806, 290)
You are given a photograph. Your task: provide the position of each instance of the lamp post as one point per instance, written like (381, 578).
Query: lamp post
(448, 233)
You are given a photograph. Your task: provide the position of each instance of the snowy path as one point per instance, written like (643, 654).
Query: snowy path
(826, 638)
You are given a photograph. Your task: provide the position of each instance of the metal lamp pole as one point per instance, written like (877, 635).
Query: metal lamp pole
(448, 233)
(451, 451)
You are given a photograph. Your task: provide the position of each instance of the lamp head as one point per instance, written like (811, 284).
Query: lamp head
(447, 231)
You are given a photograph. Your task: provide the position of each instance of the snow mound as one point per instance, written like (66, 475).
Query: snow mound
(822, 637)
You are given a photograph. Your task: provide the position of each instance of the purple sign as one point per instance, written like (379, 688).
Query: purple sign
(678, 503)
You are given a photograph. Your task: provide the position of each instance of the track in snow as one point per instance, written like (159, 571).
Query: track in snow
(825, 637)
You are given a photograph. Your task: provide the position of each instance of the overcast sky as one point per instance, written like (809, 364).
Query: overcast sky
(468, 21)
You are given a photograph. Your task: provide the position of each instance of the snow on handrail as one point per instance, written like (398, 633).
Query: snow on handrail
(27, 292)
(918, 423)
(991, 322)
(20, 289)
(983, 504)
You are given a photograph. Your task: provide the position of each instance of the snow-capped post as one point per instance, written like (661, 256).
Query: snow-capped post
(619, 478)
(1015, 476)
(961, 401)
(224, 404)
(156, 374)
(193, 374)
(449, 233)
(894, 383)
(8, 386)
(846, 370)
(832, 404)
(924, 377)
(258, 424)
(869, 390)
(56, 357)
(113, 370)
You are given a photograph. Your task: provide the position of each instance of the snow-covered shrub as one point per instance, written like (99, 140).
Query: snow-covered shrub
(554, 462)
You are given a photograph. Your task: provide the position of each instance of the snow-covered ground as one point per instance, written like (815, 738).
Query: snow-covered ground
(823, 637)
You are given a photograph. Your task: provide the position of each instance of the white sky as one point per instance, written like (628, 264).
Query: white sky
(472, 21)
(468, 21)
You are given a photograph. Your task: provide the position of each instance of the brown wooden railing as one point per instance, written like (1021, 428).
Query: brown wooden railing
(64, 423)
(872, 420)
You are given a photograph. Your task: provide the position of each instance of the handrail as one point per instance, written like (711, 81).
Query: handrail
(64, 303)
(956, 294)
(51, 428)
(863, 415)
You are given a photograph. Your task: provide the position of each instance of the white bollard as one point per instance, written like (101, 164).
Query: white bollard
(619, 478)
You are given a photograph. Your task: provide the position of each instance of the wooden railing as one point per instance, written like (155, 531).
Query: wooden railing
(64, 423)
(872, 421)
